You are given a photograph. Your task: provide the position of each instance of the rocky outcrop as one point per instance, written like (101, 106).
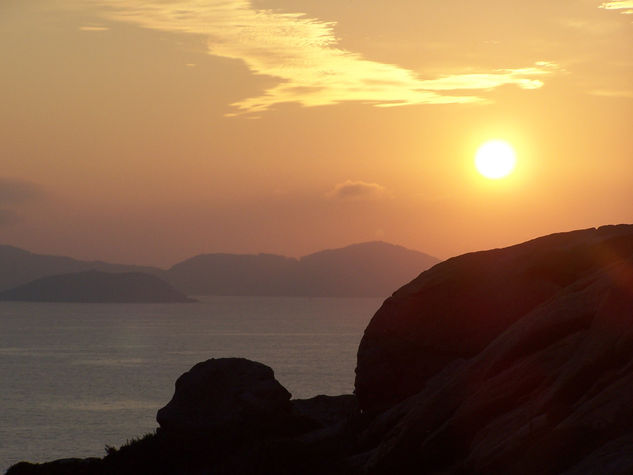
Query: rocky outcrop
(230, 416)
(326, 411)
(456, 308)
(225, 396)
(550, 394)
(74, 466)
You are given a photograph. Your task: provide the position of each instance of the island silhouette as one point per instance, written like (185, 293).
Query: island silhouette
(97, 287)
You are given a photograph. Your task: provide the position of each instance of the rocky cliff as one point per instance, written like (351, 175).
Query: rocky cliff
(455, 309)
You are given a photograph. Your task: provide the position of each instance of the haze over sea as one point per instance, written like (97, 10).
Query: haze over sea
(78, 376)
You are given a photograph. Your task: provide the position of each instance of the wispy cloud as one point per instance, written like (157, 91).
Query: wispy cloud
(626, 94)
(523, 78)
(94, 28)
(302, 53)
(356, 190)
(591, 26)
(626, 5)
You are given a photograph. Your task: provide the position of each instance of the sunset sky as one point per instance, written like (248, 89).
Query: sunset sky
(147, 131)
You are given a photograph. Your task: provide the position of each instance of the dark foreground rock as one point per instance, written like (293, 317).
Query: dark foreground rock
(326, 411)
(456, 308)
(551, 394)
(541, 384)
(59, 467)
(230, 416)
(224, 396)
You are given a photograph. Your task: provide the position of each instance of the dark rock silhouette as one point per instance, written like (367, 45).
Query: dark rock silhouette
(550, 394)
(229, 416)
(533, 381)
(326, 411)
(224, 396)
(94, 287)
(453, 310)
(370, 269)
(59, 467)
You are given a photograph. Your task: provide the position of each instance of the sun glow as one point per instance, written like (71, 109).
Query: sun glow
(495, 159)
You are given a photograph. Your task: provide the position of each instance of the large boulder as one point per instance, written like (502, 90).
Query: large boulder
(550, 394)
(228, 397)
(455, 309)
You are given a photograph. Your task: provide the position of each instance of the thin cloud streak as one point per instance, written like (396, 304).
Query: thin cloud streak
(94, 28)
(626, 5)
(609, 93)
(302, 53)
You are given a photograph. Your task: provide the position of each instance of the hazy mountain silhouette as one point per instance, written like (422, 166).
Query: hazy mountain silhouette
(18, 266)
(359, 270)
(95, 286)
(367, 269)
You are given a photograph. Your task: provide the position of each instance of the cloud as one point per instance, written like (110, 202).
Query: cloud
(626, 5)
(592, 26)
(94, 28)
(18, 191)
(303, 54)
(7, 217)
(356, 190)
(613, 93)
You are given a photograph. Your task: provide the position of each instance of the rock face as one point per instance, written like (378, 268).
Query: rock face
(226, 396)
(326, 410)
(455, 309)
(97, 287)
(551, 394)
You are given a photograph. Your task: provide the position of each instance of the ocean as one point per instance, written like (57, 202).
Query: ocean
(77, 377)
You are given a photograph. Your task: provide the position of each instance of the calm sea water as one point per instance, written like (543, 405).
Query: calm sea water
(75, 377)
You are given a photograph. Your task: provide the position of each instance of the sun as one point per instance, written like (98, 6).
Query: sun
(495, 159)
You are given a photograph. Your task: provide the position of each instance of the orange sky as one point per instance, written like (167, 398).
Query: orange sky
(147, 131)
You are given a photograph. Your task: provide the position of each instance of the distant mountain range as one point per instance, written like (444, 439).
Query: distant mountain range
(371, 269)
